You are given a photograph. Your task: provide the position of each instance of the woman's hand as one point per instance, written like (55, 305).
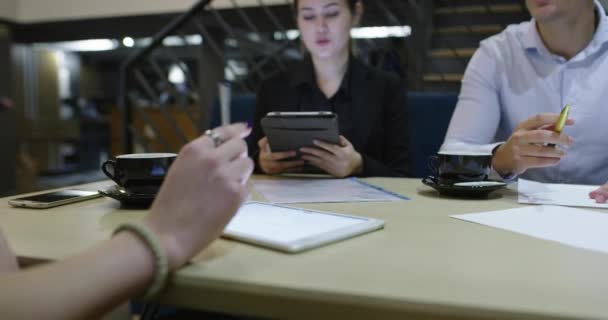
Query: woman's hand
(271, 162)
(204, 188)
(601, 194)
(338, 160)
(528, 147)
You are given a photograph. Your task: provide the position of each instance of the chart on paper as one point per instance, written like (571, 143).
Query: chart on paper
(322, 191)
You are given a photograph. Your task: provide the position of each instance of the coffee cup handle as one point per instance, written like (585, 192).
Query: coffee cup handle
(104, 168)
(433, 165)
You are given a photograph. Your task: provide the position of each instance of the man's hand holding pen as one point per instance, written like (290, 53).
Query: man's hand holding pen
(530, 144)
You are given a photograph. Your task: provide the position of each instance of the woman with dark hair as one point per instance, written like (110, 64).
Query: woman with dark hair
(370, 103)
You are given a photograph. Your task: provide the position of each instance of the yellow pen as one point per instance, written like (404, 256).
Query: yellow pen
(561, 122)
(563, 117)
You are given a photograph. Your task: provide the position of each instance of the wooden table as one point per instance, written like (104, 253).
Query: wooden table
(423, 264)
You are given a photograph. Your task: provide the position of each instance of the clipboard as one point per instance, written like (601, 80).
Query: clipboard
(293, 230)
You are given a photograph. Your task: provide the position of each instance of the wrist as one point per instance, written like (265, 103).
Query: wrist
(148, 241)
(258, 162)
(358, 164)
(168, 244)
(506, 174)
(498, 163)
(139, 251)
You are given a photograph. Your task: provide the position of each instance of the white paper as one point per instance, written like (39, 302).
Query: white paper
(531, 192)
(283, 225)
(573, 227)
(321, 191)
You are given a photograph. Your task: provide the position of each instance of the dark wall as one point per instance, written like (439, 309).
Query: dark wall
(116, 27)
(8, 127)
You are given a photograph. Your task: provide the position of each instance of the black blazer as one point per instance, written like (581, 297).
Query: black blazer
(371, 108)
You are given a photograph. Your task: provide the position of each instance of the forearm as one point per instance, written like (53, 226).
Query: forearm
(477, 116)
(82, 287)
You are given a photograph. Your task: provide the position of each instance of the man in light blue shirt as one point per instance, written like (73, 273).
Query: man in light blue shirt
(519, 80)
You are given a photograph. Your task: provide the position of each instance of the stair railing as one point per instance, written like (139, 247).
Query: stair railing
(144, 72)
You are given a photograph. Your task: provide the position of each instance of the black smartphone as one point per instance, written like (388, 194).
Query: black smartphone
(53, 199)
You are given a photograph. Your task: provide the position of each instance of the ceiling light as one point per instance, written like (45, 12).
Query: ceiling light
(128, 42)
(83, 45)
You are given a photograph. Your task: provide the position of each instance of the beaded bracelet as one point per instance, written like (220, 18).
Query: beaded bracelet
(161, 264)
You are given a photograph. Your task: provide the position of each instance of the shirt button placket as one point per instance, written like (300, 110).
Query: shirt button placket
(564, 99)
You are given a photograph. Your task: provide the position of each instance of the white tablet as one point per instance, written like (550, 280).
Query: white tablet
(294, 229)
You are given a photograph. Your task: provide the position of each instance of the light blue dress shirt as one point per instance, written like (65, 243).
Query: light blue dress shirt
(513, 76)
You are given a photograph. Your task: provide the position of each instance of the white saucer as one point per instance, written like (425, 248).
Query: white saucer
(480, 184)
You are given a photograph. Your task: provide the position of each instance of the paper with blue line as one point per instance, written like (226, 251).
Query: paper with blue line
(290, 190)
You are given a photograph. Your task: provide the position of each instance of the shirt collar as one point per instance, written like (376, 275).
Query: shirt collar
(601, 34)
(532, 40)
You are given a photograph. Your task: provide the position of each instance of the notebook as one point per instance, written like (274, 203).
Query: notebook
(293, 230)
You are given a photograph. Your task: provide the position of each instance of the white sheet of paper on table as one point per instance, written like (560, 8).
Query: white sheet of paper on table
(294, 229)
(531, 192)
(322, 191)
(570, 226)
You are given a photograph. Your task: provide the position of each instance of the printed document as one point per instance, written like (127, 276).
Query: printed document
(570, 226)
(532, 192)
(322, 191)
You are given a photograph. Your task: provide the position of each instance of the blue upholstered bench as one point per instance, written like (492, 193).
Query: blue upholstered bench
(429, 115)
(242, 108)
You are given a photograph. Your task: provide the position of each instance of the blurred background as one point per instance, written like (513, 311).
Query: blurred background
(82, 81)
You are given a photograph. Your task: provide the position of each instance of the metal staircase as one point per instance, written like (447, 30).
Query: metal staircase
(159, 115)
